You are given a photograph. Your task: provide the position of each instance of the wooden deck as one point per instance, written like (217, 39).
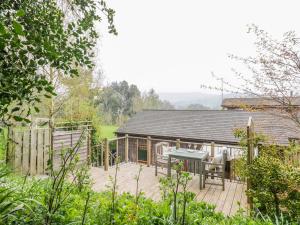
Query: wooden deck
(226, 201)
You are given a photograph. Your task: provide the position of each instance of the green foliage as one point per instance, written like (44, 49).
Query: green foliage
(78, 104)
(3, 143)
(107, 131)
(38, 35)
(241, 134)
(95, 208)
(275, 183)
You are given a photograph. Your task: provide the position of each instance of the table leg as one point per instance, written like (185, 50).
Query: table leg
(169, 166)
(200, 174)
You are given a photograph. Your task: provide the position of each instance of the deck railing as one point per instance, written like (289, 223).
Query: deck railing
(141, 149)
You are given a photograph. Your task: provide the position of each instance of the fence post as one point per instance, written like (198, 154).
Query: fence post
(7, 146)
(250, 149)
(177, 143)
(117, 148)
(126, 148)
(102, 154)
(148, 151)
(89, 152)
(212, 149)
(106, 154)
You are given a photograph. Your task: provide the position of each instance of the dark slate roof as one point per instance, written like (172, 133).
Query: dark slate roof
(255, 102)
(208, 125)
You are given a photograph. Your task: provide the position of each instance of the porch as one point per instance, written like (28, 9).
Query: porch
(228, 201)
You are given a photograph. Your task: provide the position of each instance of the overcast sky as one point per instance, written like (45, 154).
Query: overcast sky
(173, 45)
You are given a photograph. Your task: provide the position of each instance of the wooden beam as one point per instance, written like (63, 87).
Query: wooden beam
(250, 151)
(177, 143)
(148, 151)
(212, 149)
(126, 148)
(137, 150)
(106, 154)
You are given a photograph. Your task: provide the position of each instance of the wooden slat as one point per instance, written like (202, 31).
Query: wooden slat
(26, 146)
(45, 141)
(18, 148)
(237, 199)
(40, 151)
(33, 152)
(229, 200)
(222, 198)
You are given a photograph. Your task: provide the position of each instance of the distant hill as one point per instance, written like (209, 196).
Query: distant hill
(185, 99)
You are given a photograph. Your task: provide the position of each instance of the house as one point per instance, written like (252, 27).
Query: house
(258, 103)
(199, 126)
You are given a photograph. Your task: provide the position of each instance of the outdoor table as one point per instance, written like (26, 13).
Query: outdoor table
(184, 154)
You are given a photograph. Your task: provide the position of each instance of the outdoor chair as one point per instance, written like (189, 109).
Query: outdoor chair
(161, 155)
(215, 169)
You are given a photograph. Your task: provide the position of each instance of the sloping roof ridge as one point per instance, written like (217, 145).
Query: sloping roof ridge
(197, 110)
(179, 110)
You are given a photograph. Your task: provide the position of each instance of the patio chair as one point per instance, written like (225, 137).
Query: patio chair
(215, 169)
(161, 155)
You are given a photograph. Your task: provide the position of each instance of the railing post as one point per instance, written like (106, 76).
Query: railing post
(126, 148)
(212, 149)
(250, 148)
(177, 143)
(148, 151)
(106, 154)
(117, 147)
(89, 151)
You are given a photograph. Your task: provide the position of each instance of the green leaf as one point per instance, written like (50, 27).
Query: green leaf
(2, 29)
(18, 28)
(15, 109)
(20, 13)
(18, 118)
(26, 120)
(36, 109)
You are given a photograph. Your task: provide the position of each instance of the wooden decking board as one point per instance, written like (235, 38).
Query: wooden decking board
(222, 198)
(202, 193)
(209, 194)
(225, 201)
(216, 196)
(236, 201)
(229, 200)
(244, 198)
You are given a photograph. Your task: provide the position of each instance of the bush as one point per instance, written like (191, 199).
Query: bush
(95, 207)
(275, 185)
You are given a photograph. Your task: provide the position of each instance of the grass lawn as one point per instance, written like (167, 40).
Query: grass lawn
(107, 131)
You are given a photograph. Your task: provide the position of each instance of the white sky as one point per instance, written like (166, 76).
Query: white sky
(173, 45)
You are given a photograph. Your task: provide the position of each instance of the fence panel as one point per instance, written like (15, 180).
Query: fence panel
(28, 148)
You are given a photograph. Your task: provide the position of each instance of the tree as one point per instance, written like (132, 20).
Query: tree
(272, 74)
(151, 101)
(119, 101)
(197, 107)
(36, 36)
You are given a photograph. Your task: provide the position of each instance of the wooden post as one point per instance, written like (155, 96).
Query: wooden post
(8, 144)
(177, 143)
(106, 154)
(137, 150)
(102, 154)
(212, 149)
(117, 147)
(250, 150)
(126, 148)
(89, 155)
(148, 151)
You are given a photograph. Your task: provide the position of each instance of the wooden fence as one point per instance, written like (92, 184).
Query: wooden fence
(28, 149)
